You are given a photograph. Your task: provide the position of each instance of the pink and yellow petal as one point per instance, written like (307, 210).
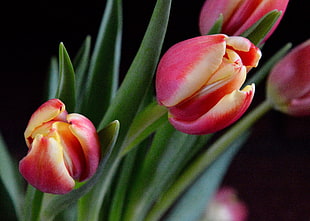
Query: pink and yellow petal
(44, 167)
(229, 78)
(50, 110)
(72, 150)
(225, 112)
(249, 53)
(190, 64)
(212, 9)
(85, 132)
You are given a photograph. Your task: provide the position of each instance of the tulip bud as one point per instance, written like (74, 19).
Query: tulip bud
(226, 206)
(62, 148)
(238, 15)
(199, 79)
(288, 85)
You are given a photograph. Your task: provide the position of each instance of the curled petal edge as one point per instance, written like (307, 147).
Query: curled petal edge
(229, 109)
(50, 110)
(44, 167)
(86, 133)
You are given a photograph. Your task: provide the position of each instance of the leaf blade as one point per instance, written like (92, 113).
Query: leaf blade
(66, 84)
(10, 178)
(103, 73)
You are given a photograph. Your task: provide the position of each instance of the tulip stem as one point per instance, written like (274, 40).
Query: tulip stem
(206, 159)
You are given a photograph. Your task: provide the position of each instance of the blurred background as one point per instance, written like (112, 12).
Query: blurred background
(270, 172)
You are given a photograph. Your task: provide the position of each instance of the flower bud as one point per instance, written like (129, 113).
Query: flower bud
(288, 85)
(238, 15)
(62, 148)
(199, 79)
(226, 205)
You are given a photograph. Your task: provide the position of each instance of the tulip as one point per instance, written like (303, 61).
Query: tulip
(198, 80)
(238, 15)
(226, 206)
(288, 85)
(63, 148)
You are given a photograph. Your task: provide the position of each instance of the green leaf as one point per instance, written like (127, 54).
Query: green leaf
(265, 69)
(66, 84)
(33, 203)
(81, 63)
(122, 185)
(192, 204)
(168, 155)
(140, 74)
(261, 28)
(204, 160)
(103, 74)
(217, 27)
(144, 124)
(128, 99)
(54, 204)
(53, 78)
(11, 179)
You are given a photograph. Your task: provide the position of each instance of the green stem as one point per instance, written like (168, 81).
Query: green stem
(205, 160)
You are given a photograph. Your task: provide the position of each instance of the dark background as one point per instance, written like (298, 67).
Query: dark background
(270, 172)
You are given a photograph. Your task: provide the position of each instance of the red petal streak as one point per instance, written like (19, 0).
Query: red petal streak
(225, 112)
(44, 167)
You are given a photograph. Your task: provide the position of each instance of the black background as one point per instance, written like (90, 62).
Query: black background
(270, 172)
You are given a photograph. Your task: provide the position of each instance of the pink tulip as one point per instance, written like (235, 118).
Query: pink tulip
(199, 79)
(288, 85)
(238, 15)
(62, 148)
(226, 206)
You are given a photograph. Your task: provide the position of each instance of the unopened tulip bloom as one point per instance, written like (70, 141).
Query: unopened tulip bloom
(226, 206)
(238, 15)
(62, 148)
(199, 79)
(288, 85)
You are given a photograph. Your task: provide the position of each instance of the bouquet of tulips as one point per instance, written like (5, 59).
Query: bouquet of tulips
(156, 144)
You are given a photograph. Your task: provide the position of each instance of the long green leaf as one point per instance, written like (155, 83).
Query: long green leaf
(66, 85)
(54, 204)
(128, 98)
(192, 204)
(53, 78)
(81, 63)
(103, 74)
(33, 203)
(123, 182)
(169, 153)
(140, 74)
(10, 178)
(204, 160)
(261, 28)
(145, 123)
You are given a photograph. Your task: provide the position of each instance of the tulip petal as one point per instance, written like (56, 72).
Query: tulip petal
(212, 9)
(72, 150)
(190, 64)
(44, 167)
(255, 11)
(53, 109)
(225, 112)
(229, 77)
(249, 53)
(86, 133)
